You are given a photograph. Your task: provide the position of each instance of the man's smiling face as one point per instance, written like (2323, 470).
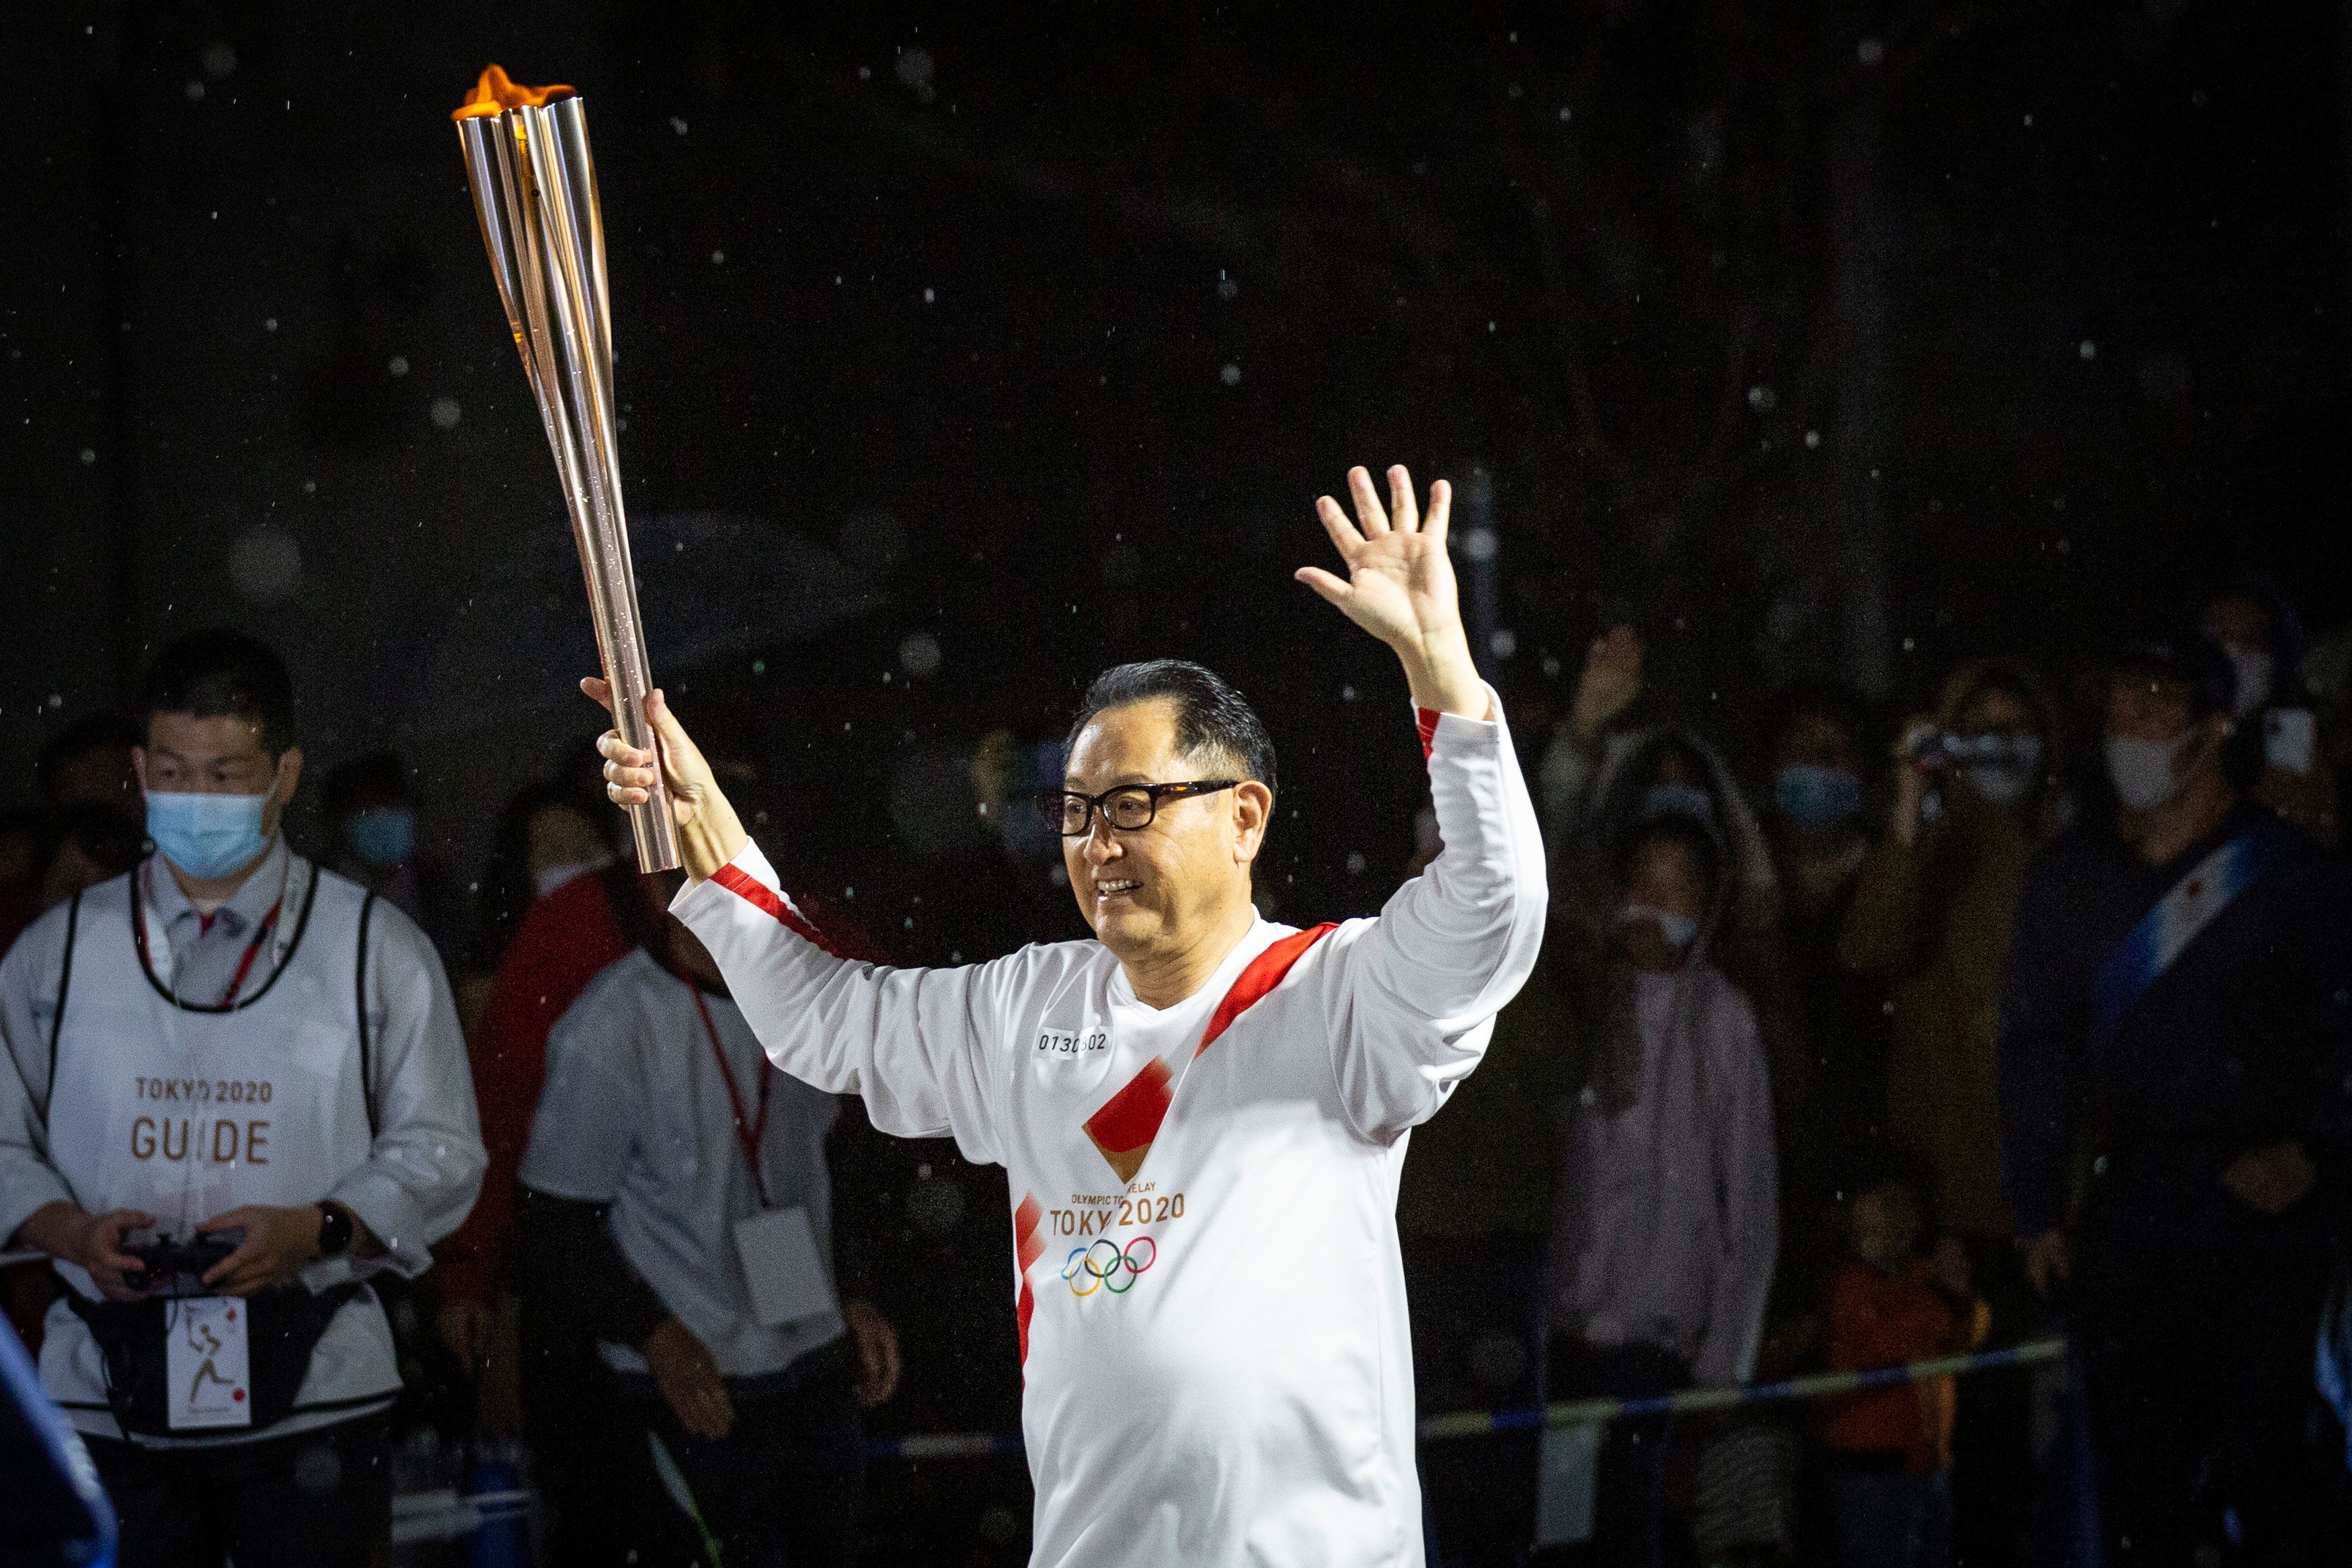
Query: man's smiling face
(1159, 885)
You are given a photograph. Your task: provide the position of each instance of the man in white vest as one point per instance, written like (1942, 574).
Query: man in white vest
(1202, 1114)
(236, 1092)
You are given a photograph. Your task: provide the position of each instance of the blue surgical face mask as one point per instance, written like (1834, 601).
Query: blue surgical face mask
(1677, 800)
(1816, 798)
(207, 836)
(383, 835)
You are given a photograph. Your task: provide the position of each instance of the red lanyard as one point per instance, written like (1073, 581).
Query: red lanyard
(243, 965)
(748, 1134)
(252, 951)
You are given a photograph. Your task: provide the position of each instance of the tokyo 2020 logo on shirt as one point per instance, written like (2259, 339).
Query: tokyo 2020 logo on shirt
(1104, 1264)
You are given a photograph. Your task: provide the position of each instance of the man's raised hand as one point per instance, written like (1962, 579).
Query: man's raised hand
(709, 835)
(1400, 587)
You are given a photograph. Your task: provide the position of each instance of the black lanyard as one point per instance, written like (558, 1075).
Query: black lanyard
(748, 1134)
(228, 1001)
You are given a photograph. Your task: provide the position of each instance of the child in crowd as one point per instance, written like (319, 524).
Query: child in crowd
(1662, 1249)
(1890, 1449)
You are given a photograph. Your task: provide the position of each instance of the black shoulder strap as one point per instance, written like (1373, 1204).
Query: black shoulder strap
(57, 1019)
(358, 991)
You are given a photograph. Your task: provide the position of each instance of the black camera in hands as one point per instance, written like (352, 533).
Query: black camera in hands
(167, 1264)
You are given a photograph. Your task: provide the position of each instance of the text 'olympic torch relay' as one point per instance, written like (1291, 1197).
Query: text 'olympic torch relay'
(535, 190)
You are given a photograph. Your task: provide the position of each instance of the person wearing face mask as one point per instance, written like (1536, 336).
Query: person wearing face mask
(1931, 921)
(1601, 778)
(2279, 753)
(1832, 1020)
(238, 1094)
(2176, 997)
(1815, 744)
(549, 834)
(370, 810)
(663, 1132)
(591, 908)
(1974, 798)
(1666, 1228)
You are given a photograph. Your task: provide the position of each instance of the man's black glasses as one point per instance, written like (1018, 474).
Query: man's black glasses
(1127, 809)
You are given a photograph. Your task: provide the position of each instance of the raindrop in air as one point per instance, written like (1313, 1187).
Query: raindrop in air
(265, 564)
(918, 654)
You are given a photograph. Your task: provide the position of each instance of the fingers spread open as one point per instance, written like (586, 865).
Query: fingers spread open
(1335, 523)
(1441, 507)
(1404, 510)
(1367, 501)
(1323, 583)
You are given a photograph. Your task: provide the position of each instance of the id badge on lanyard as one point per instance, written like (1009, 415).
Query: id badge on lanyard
(776, 1247)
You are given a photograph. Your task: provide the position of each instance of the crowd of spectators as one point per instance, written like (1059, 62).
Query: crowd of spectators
(1859, 1041)
(2027, 1014)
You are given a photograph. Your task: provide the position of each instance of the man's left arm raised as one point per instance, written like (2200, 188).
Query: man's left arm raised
(1424, 980)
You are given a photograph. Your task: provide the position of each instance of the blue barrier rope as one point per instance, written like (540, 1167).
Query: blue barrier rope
(1583, 1412)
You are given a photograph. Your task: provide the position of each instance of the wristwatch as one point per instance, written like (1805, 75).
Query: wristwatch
(335, 1227)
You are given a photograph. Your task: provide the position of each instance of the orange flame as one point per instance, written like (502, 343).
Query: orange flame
(496, 92)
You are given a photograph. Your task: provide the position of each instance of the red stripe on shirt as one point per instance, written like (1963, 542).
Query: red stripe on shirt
(1028, 1244)
(1425, 720)
(758, 894)
(1123, 1129)
(1265, 972)
(1128, 1122)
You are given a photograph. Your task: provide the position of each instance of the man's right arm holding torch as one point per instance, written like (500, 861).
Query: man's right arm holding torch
(909, 1042)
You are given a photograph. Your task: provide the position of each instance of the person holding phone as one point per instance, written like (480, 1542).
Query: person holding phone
(2276, 750)
(2176, 997)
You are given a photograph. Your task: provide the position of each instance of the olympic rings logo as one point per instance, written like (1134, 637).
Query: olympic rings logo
(1104, 1265)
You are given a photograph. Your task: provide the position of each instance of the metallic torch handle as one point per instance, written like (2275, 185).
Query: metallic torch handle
(534, 189)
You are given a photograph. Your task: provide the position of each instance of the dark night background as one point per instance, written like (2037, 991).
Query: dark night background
(1813, 339)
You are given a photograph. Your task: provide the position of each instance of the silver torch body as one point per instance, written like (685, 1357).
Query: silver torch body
(534, 185)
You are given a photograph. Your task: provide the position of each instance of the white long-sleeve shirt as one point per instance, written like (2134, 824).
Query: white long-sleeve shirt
(1216, 1362)
(637, 1114)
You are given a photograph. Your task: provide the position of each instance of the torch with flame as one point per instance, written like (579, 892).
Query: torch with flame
(535, 191)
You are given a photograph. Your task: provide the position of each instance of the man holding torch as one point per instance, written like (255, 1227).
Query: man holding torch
(1202, 1114)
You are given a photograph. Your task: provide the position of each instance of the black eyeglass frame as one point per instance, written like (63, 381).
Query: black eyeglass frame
(1052, 805)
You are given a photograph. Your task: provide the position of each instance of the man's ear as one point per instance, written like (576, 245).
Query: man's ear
(289, 776)
(1253, 810)
(138, 766)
